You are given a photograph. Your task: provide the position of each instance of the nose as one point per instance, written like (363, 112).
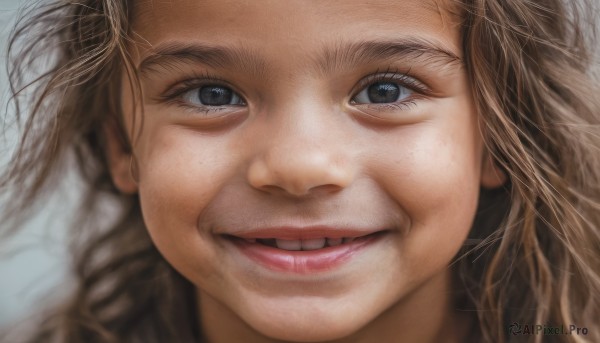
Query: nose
(302, 159)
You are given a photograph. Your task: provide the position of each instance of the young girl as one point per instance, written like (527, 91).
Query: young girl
(332, 171)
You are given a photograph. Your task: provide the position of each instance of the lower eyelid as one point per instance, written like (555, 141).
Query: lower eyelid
(392, 106)
(210, 112)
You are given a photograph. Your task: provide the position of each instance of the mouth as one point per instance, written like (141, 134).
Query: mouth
(304, 244)
(303, 251)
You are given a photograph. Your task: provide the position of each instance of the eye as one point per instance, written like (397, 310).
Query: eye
(382, 93)
(211, 95)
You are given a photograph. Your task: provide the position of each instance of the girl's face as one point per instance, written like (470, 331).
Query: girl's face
(344, 126)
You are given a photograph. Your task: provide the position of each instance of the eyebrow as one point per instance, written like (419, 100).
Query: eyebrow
(329, 59)
(172, 53)
(418, 50)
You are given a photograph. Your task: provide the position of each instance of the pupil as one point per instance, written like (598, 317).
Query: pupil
(383, 92)
(215, 95)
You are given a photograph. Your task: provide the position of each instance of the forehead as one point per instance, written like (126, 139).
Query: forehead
(292, 21)
(381, 8)
(273, 38)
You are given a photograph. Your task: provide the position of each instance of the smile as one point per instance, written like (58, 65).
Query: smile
(312, 251)
(302, 244)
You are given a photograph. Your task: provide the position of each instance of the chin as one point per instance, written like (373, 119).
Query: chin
(306, 322)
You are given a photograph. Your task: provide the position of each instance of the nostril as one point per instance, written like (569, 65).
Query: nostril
(330, 188)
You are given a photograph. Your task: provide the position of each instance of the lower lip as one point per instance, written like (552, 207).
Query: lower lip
(304, 262)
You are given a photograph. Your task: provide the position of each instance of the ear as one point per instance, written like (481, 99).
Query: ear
(120, 159)
(491, 175)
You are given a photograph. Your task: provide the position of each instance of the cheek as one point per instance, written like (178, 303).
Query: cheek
(176, 176)
(432, 169)
(180, 172)
(434, 178)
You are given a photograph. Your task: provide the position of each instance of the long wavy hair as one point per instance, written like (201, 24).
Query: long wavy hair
(536, 252)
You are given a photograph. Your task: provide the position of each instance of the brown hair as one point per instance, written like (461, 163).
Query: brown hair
(538, 260)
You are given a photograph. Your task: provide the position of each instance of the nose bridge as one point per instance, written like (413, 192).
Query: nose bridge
(305, 151)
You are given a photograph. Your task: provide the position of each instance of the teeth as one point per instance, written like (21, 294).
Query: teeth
(288, 244)
(303, 244)
(313, 244)
(332, 242)
(271, 242)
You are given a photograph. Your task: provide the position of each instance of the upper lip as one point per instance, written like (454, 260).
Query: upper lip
(307, 232)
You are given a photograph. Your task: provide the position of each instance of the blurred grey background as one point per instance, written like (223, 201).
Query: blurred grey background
(34, 261)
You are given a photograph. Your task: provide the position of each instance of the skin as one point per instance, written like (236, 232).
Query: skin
(301, 150)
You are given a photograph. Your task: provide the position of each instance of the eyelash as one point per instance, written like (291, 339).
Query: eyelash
(174, 93)
(395, 76)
